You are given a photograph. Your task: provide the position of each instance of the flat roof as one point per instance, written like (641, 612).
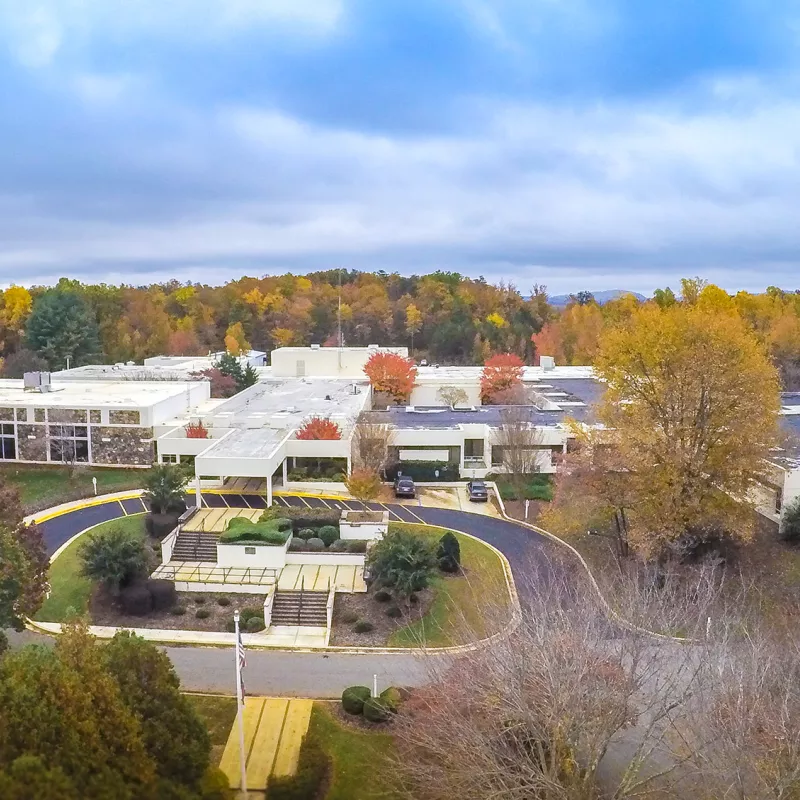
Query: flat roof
(443, 373)
(90, 394)
(260, 443)
(284, 402)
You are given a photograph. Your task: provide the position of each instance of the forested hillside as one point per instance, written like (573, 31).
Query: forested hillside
(444, 317)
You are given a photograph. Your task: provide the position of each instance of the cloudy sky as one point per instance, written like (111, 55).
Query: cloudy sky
(576, 143)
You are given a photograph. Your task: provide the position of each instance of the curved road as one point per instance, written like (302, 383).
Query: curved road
(314, 674)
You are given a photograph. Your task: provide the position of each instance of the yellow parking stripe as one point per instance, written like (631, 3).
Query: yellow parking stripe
(294, 728)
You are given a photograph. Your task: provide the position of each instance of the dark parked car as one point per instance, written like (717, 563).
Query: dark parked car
(404, 487)
(477, 491)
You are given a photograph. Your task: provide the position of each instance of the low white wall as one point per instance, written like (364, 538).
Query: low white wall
(268, 601)
(167, 543)
(350, 529)
(327, 559)
(223, 588)
(265, 556)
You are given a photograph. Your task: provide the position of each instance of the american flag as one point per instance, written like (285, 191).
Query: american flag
(240, 655)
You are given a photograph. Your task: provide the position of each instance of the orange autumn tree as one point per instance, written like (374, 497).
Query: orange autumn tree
(500, 373)
(391, 374)
(316, 428)
(196, 430)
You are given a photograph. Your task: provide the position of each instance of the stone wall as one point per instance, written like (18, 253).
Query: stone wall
(112, 445)
(63, 415)
(124, 417)
(31, 449)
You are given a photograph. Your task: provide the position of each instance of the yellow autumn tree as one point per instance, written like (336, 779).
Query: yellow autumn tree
(413, 322)
(692, 401)
(235, 341)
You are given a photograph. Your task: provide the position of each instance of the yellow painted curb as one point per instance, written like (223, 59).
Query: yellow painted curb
(87, 503)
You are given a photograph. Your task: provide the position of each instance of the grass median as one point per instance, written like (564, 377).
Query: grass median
(465, 607)
(69, 589)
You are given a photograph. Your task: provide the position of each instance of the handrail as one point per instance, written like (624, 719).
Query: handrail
(300, 604)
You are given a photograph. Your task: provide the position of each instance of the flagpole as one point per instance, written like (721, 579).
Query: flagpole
(240, 705)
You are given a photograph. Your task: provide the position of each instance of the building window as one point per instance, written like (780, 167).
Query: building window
(68, 443)
(169, 458)
(8, 443)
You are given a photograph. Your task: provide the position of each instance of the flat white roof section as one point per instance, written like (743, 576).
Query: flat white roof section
(89, 394)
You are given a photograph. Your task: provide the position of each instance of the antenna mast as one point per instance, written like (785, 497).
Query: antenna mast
(339, 312)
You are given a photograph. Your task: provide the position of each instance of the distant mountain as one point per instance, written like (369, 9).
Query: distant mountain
(601, 297)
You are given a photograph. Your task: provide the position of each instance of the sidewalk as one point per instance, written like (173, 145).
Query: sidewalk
(274, 728)
(278, 636)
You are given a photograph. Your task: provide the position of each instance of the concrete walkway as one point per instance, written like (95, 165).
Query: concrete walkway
(274, 728)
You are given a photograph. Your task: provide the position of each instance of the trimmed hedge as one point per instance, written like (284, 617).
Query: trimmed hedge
(329, 534)
(363, 626)
(375, 710)
(163, 594)
(273, 531)
(312, 771)
(353, 699)
(136, 600)
(315, 545)
(424, 471)
(254, 624)
(303, 517)
(391, 698)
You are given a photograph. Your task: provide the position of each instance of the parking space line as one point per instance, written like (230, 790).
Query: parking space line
(244, 500)
(122, 507)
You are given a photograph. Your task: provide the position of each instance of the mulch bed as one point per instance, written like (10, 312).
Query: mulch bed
(104, 611)
(368, 608)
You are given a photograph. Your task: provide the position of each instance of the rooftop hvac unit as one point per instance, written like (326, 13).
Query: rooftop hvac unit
(547, 363)
(315, 346)
(36, 381)
(373, 347)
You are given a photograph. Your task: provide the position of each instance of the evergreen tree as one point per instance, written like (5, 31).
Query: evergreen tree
(62, 326)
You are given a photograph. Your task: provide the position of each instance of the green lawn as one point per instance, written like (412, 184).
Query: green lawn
(537, 487)
(218, 714)
(68, 588)
(42, 487)
(464, 607)
(355, 757)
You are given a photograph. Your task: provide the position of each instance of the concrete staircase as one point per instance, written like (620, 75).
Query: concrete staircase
(300, 608)
(195, 546)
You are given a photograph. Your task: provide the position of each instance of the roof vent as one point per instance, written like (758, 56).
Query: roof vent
(315, 347)
(373, 347)
(130, 364)
(36, 381)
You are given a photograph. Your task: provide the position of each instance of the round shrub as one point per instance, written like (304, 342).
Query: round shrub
(357, 546)
(394, 612)
(391, 698)
(202, 613)
(375, 710)
(339, 546)
(136, 600)
(251, 611)
(329, 534)
(178, 611)
(349, 617)
(315, 544)
(223, 601)
(163, 594)
(283, 524)
(305, 533)
(254, 624)
(353, 699)
(199, 600)
(382, 596)
(363, 626)
(296, 544)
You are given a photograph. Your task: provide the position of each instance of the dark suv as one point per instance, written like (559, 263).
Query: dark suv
(477, 491)
(404, 487)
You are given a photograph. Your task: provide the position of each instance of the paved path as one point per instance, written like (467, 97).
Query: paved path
(315, 674)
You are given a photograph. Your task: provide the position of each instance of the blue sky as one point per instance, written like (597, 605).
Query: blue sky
(576, 143)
